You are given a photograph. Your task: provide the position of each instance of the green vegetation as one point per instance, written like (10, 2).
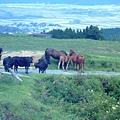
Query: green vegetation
(111, 34)
(91, 32)
(60, 97)
(100, 55)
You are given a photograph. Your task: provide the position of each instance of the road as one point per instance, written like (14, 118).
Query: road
(67, 72)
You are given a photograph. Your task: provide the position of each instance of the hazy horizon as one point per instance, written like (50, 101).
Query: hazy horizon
(80, 2)
(39, 17)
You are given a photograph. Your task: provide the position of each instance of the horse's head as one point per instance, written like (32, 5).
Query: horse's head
(71, 52)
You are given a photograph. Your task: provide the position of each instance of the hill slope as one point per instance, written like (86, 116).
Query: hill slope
(57, 97)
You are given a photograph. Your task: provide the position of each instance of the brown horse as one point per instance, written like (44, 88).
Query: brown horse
(50, 52)
(65, 60)
(77, 60)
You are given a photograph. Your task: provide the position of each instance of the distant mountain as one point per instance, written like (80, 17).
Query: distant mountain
(80, 2)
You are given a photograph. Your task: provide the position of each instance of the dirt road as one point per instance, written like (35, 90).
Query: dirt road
(68, 72)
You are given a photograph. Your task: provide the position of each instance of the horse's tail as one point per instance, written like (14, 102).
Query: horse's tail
(81, 59)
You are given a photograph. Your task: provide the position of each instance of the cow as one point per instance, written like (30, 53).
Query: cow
(22, 62)
(1, 50)
(42, 65)
(8, 62)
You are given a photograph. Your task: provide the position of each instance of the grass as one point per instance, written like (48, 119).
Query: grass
(100, 55)
(62, 97)
(58, 97)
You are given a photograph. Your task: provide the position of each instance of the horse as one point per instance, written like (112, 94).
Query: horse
(77, 60)
(50, 52)
(65, 60)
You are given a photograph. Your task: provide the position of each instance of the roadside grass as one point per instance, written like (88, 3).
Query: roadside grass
(100, 55)
(58, 97)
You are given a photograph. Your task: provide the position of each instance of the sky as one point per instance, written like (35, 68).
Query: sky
(80, 2)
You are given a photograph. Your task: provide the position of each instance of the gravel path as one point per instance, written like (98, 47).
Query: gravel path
(68, 72)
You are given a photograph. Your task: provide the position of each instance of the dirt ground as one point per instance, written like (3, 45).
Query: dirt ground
(36, 55)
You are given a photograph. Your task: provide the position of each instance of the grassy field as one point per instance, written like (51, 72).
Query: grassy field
(62, 97)
(59, 97)
(100, 55)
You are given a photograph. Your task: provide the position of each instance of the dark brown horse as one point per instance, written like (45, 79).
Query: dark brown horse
(77, 60)
(50, 52)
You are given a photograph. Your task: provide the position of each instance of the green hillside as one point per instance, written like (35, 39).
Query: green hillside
(99, 55)
(62, 97)
(59, 97)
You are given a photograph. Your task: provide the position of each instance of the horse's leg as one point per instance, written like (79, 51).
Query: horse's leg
(63, 63)
(59, 64)
(67, 65)
(79, 66)
(83, 67)
(75, 66)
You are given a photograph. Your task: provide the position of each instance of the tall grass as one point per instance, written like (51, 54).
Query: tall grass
(58, 97)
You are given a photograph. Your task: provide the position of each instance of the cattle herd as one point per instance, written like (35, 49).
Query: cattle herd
(63, 58)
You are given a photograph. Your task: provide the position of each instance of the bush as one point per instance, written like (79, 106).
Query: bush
(61, 97)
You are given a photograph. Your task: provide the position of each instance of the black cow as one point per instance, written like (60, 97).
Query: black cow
(8, 62)
(22, 62)
(42, 65)
(1, 53)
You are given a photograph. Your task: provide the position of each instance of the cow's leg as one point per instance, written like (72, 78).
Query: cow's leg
(26, 70)
(6, 69)
(0, 56)
(39, 70)
(15, 68)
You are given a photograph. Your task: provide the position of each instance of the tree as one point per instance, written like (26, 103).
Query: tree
(93, 32)
(79, 34)
(69, 33)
